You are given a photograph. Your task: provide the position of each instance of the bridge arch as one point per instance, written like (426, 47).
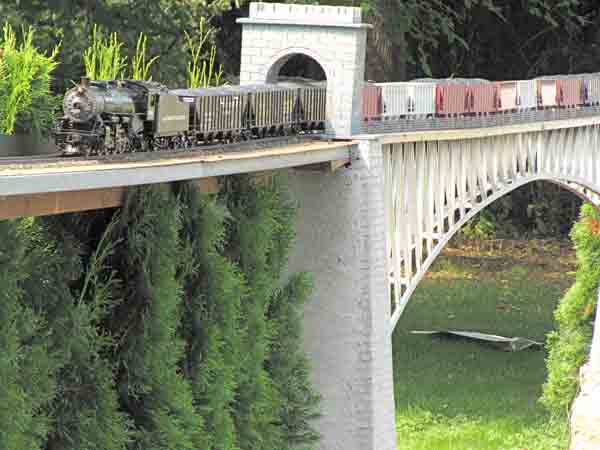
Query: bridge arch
(433, 189)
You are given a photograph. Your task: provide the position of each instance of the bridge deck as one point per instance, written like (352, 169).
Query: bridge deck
(65, 175)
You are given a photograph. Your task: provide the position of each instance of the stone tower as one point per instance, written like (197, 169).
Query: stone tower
(333, 36)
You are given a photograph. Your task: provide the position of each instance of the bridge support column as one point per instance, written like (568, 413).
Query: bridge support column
(341, 242)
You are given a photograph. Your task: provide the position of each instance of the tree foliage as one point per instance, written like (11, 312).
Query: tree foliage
(253, 236)
(72, 21)
(213, 291)
(27, 368)
(26, 103)
(261, 230)
(289, 368)
(73, 300)
(148, 352)
(569, 346)
(492, 39)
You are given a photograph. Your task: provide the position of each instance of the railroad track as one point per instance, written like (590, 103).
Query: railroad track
(29, 159)
(215, 149)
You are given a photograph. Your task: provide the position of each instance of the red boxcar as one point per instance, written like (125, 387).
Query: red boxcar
(570, 92)
(371, 102)
(483, 98)
(451, 99)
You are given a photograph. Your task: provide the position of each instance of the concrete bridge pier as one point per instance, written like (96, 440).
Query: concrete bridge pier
(341, 242)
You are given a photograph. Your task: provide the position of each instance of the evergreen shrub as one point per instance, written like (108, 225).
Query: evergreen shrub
(168, 326)
(569, 345)
(289, 368)
(26, 102)
(213, 291)
(27, 370)
(255, 210)
(152, 389)
(73, 300)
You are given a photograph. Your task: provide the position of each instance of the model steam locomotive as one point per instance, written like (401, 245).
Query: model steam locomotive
(122, 116)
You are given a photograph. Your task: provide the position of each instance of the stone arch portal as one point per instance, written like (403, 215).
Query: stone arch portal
(277, 67)
(334, 37)
(433, 188)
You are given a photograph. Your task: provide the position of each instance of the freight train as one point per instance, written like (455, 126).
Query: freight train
(122, 116)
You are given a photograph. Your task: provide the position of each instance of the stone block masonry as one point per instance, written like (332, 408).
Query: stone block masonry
(334, 37)
(341, 242)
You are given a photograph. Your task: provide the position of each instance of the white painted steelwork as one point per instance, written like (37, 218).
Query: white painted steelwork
(432, 188)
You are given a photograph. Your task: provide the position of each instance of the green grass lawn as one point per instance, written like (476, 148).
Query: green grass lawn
(460, 395)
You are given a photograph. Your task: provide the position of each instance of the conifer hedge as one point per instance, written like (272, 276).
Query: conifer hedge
(213, 292)
(85, 412)
(27, 367)
(162, 325)
(569, 345)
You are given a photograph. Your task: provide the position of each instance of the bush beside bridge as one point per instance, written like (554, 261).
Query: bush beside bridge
(569, 345)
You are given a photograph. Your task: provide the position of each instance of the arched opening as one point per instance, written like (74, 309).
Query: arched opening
(303, 66)
(301, 74)
(296, 65)
(453, 392)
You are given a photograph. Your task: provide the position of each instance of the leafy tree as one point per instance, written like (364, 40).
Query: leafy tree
(289, 368)
(483, 38)
(213, 289)
(27, 368)
(148, 352)
(73, 301)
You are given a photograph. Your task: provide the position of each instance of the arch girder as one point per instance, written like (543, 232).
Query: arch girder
(433, 188)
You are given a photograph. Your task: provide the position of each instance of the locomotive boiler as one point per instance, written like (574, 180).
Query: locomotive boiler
(110, 117)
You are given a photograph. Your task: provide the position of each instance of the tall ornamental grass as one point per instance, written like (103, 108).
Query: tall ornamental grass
(141, 63)
(202, 71)
(104, 59)
(26, 102)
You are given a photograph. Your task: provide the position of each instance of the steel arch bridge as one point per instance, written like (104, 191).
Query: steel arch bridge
(432, 188)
